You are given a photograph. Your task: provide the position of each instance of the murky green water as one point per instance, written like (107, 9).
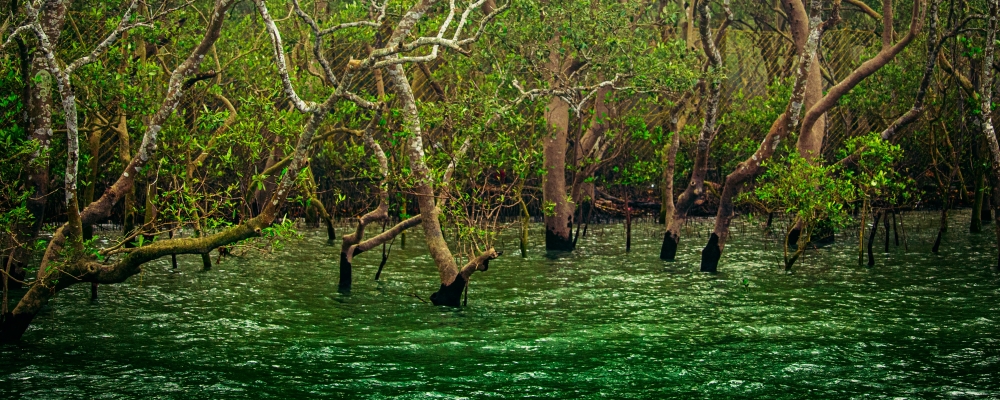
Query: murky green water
(597, 323)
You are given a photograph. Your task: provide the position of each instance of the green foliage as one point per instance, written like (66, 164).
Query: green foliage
(745, 124)
(876, 176)
(809, 192)
(16, 150)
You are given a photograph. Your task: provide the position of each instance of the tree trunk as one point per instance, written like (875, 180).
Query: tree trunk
(861, 232)
(746, 170)
(694, 192)
(871, 238)
(986, 212)
(885, 225)
(800, 247)
(317, 205)
(628, 224)
(355, 244)
(48, 284)
(525, 220)
(942, 227)
(453, 280)
(667, 179)
(788, 122)
(985, 90)
(39, 108)
(975, 222)
(810, 143)
(558, 209)
(895, 228)
(93, 166)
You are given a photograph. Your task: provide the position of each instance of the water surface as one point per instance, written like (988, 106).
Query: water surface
(596, 323)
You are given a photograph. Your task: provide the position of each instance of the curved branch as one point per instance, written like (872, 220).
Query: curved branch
(279, 60)
(230, 120)
(381, 238)
(934, 43)
(866, 69)
(480, 263)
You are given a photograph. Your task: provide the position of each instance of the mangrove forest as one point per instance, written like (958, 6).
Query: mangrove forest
(499, 199)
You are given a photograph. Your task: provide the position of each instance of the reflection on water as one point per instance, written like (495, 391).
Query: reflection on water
(596, 323)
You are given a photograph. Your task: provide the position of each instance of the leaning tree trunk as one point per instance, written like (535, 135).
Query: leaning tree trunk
(696, 188)
(810, 142)
(40, 92)
(788, 122)
(453, 280)
(15, 323)
(986, 104)
(749, 168)
(354, 244)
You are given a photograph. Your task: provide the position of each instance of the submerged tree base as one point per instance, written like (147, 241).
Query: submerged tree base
(554, 242)
(450, 295)
(668, 251)
(14, 326)
(346, 276)
(711, 254)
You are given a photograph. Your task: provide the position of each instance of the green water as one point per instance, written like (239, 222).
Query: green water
(595, 324)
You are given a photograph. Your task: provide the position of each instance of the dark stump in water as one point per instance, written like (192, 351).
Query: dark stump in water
(450, 295)
(668, 251)
(711, 254)
(345, 274)
(555, 242)
(13, 327)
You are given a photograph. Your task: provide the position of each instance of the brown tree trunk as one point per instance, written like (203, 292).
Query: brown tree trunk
(788, 122)
(355, 244)
(453, 280)
(452, 283)
(746, 170)
(885, 225)
(695, 190)
(558, 210)
(810, 143)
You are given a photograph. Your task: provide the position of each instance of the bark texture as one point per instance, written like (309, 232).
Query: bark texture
(51, 280)
(789, 120)
(451, 277)
(557, 207)
(986, 102)
(694, 192)
(746, 170)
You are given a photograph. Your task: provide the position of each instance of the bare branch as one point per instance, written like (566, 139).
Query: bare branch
(279, 60)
